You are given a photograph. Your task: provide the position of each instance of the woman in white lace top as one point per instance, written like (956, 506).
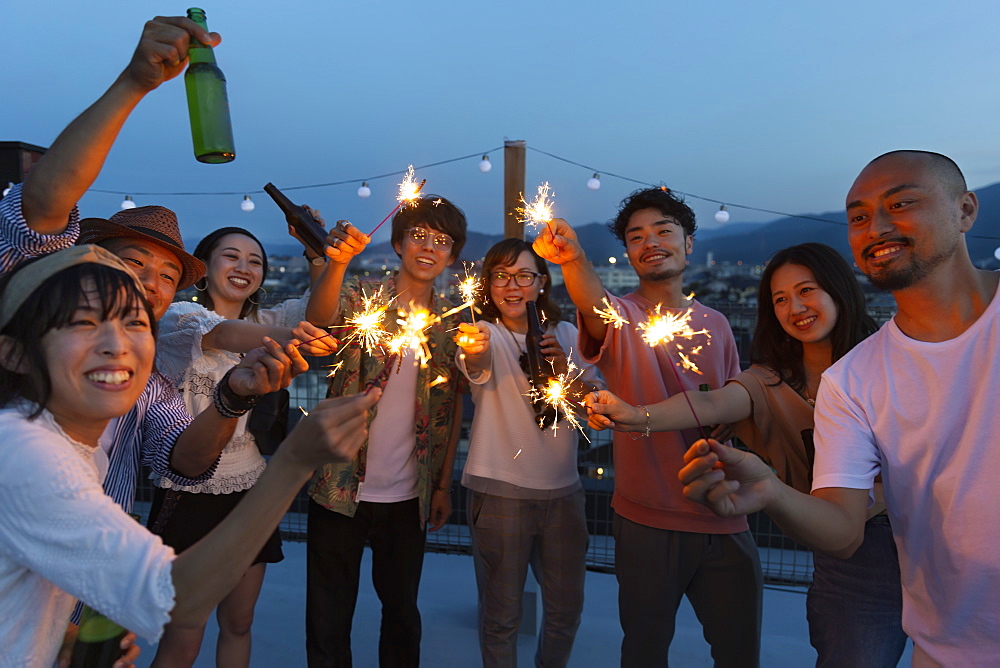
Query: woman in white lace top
(191, 353)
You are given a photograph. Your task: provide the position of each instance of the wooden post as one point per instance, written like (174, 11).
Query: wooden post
(513, 187)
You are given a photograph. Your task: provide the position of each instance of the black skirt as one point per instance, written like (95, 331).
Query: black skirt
(181, 519)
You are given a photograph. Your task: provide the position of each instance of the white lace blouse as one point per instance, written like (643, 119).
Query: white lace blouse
(195, 372)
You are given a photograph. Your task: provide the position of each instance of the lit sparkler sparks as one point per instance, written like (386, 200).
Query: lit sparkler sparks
(304, 411)
(412, 334)
(610, 316)
(469, 288)
(539, 211)
(665, 328)
(437, 381)
(334, 368)
(409, 191)
(369, 332)
(564, 394)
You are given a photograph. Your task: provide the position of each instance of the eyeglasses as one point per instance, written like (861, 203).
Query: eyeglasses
(501, 279)
(418, 236)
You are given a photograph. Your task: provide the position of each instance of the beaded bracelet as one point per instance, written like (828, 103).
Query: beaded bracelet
(228, 403)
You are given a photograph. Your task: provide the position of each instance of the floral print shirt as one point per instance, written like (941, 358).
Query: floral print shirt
(335, 486)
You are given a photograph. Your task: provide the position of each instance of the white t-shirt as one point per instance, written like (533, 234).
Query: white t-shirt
(505, 442)
(927, 415)
(62, 538)
(391, 463)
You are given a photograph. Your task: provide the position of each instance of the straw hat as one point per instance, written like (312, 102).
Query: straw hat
(155, 224)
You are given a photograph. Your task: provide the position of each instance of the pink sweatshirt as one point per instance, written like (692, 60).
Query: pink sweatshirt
(647, 490)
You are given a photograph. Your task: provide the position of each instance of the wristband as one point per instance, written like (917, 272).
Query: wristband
(228, 403)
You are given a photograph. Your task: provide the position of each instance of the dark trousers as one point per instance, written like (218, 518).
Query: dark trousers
(333, 571)
(719, 573)
(855, 606)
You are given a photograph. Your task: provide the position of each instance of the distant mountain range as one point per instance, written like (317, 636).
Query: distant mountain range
(750, 243)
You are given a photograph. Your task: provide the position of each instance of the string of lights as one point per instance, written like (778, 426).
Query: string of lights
(593, 183)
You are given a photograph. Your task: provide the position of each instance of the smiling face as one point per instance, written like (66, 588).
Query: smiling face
(158, 269)
(510, 299)
(423, 260)
(906, 218)
(656, 245)
(235, 272)
(804, 310)
(98, 367)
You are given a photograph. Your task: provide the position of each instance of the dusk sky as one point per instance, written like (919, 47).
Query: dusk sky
(765, 104)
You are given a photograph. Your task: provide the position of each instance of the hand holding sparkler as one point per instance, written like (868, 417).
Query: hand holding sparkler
(344, 242)
(474, 340)
(313, 340)
(605, 410)
(267, 369)
(558, 243)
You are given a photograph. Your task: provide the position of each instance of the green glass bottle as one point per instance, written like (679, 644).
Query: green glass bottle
(98, 639)
(98, 642)
(208, 103)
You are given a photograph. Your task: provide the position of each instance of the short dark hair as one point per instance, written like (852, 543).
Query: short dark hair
(946, 169)
(52, 306)
(203, 252)
(431, 211)
(505, 253)
(773, 347)
(663, 200)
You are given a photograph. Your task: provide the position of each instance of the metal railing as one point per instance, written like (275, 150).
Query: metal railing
(784, 562)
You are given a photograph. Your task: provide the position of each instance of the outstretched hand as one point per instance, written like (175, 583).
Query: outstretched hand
(315, 341)
(606, 410)
(267, 369)
(473, 339)
(558, 243)
(332, 432)
(730, 482)
(162, 52)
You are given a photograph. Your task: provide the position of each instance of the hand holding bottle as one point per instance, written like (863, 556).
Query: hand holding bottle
(162, 52)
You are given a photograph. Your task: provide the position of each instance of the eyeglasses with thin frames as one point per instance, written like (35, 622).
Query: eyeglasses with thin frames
(418, 236)
(523, 279)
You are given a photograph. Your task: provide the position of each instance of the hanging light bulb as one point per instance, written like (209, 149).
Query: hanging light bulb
(996, 253)
(247, 204)
(722, 216)
(364, 192)
(594, 183)
(485, 165)
(127, 203)
(6, 190)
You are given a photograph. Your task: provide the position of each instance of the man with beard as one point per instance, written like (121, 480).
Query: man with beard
(665, 546)
(917, 402)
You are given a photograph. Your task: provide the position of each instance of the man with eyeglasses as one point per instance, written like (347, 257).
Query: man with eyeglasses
(666, 546)
(401, 479)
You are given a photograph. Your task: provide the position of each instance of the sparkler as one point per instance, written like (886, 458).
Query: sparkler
(334, 368)
(409, 190)
(304, 411)
(411, 334)
(469, 289)
(539, 211)
(564, 394)
(369, 332)
(666, 328)
(610, 316)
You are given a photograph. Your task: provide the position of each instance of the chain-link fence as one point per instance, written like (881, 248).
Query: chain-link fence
(784, 561)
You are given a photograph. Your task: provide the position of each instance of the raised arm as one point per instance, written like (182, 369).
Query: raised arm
(559, 244)
(75, 158)
(343, 243)
(725, 405)
(241, 336)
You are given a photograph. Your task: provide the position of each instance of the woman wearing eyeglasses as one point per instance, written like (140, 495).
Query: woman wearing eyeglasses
(525, 503)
